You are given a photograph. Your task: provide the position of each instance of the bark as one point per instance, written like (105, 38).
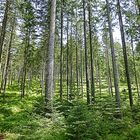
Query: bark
(109, 79)
(77, 74)
(61, 52)
(125, 53)
(43, 78)
(49, 88)
(67, 59)
(19, 76)
(86, 53)
(91, 57)
(71, 65)
(24, 72)
(81, 70)
(4, 24)
(29, 79)
(114, 63)
(135, 71)
(99, 77)
(4, 81)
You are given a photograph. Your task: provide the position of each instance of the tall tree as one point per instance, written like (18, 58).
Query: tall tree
(86, 52)
(91, 55)
(4, 24)
(50, 59)
(5, 75)
(61, 52)
(115, 70)
(67, 58)
(125, 52)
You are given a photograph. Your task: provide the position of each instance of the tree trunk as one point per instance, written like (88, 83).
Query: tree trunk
(135, 71)
(71, 65)
(4, 81)
(77, 74)
(125, 53)
(67, 59)
(91, 57)
(86, 53)
(4, 24)
(61, 52)
(99, 77)
(115, 70)
(49, 88)
(109, 77)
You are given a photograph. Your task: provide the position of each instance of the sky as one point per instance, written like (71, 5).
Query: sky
(117, 35)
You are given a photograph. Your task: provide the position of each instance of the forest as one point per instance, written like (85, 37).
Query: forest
(69, 69)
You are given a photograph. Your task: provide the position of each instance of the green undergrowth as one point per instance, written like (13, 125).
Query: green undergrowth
(20, 120)
(27, 119)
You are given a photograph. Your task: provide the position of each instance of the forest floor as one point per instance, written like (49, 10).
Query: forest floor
(26, 119)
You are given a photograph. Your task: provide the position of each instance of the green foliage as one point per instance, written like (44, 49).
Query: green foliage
(19, 120)
(71, 120)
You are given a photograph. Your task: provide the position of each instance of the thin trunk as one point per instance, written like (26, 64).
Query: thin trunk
(81, 70)
(91, 57)
(135, 71)
(86, 53)
(8, 60)
(29, 79)
(109, 77)
(19, 75)
(125, 53)
(67, 59)
(4, 24)
(61, 52)
(43, 78)
(99, 77)
(24, 72)
(71, 65)
(77, 74)
(115, 70)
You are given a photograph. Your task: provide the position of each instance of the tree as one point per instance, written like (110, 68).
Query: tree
(91, 54)
(50, 59)
(125, 53)
(86, 56)
(115, 71)
(61, 51)
(4, 24)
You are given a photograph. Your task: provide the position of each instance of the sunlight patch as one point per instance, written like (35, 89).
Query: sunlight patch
(12, 136)
(15, 109)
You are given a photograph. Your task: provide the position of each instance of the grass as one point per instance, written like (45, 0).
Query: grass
(26, 119)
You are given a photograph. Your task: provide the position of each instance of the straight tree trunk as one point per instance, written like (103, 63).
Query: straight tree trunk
(115, 70)
(19, 76)
(4, 81)
(49, 88)
(108, 71)
(61, 52)
(91, 57)
(67, 59)
(99, 77)
(77, 74)
(24, 72)
(125, 53)
(71, 66)
(86, 53)
(4, 24)
(81, 71)
(135, 71)
(23, 84)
